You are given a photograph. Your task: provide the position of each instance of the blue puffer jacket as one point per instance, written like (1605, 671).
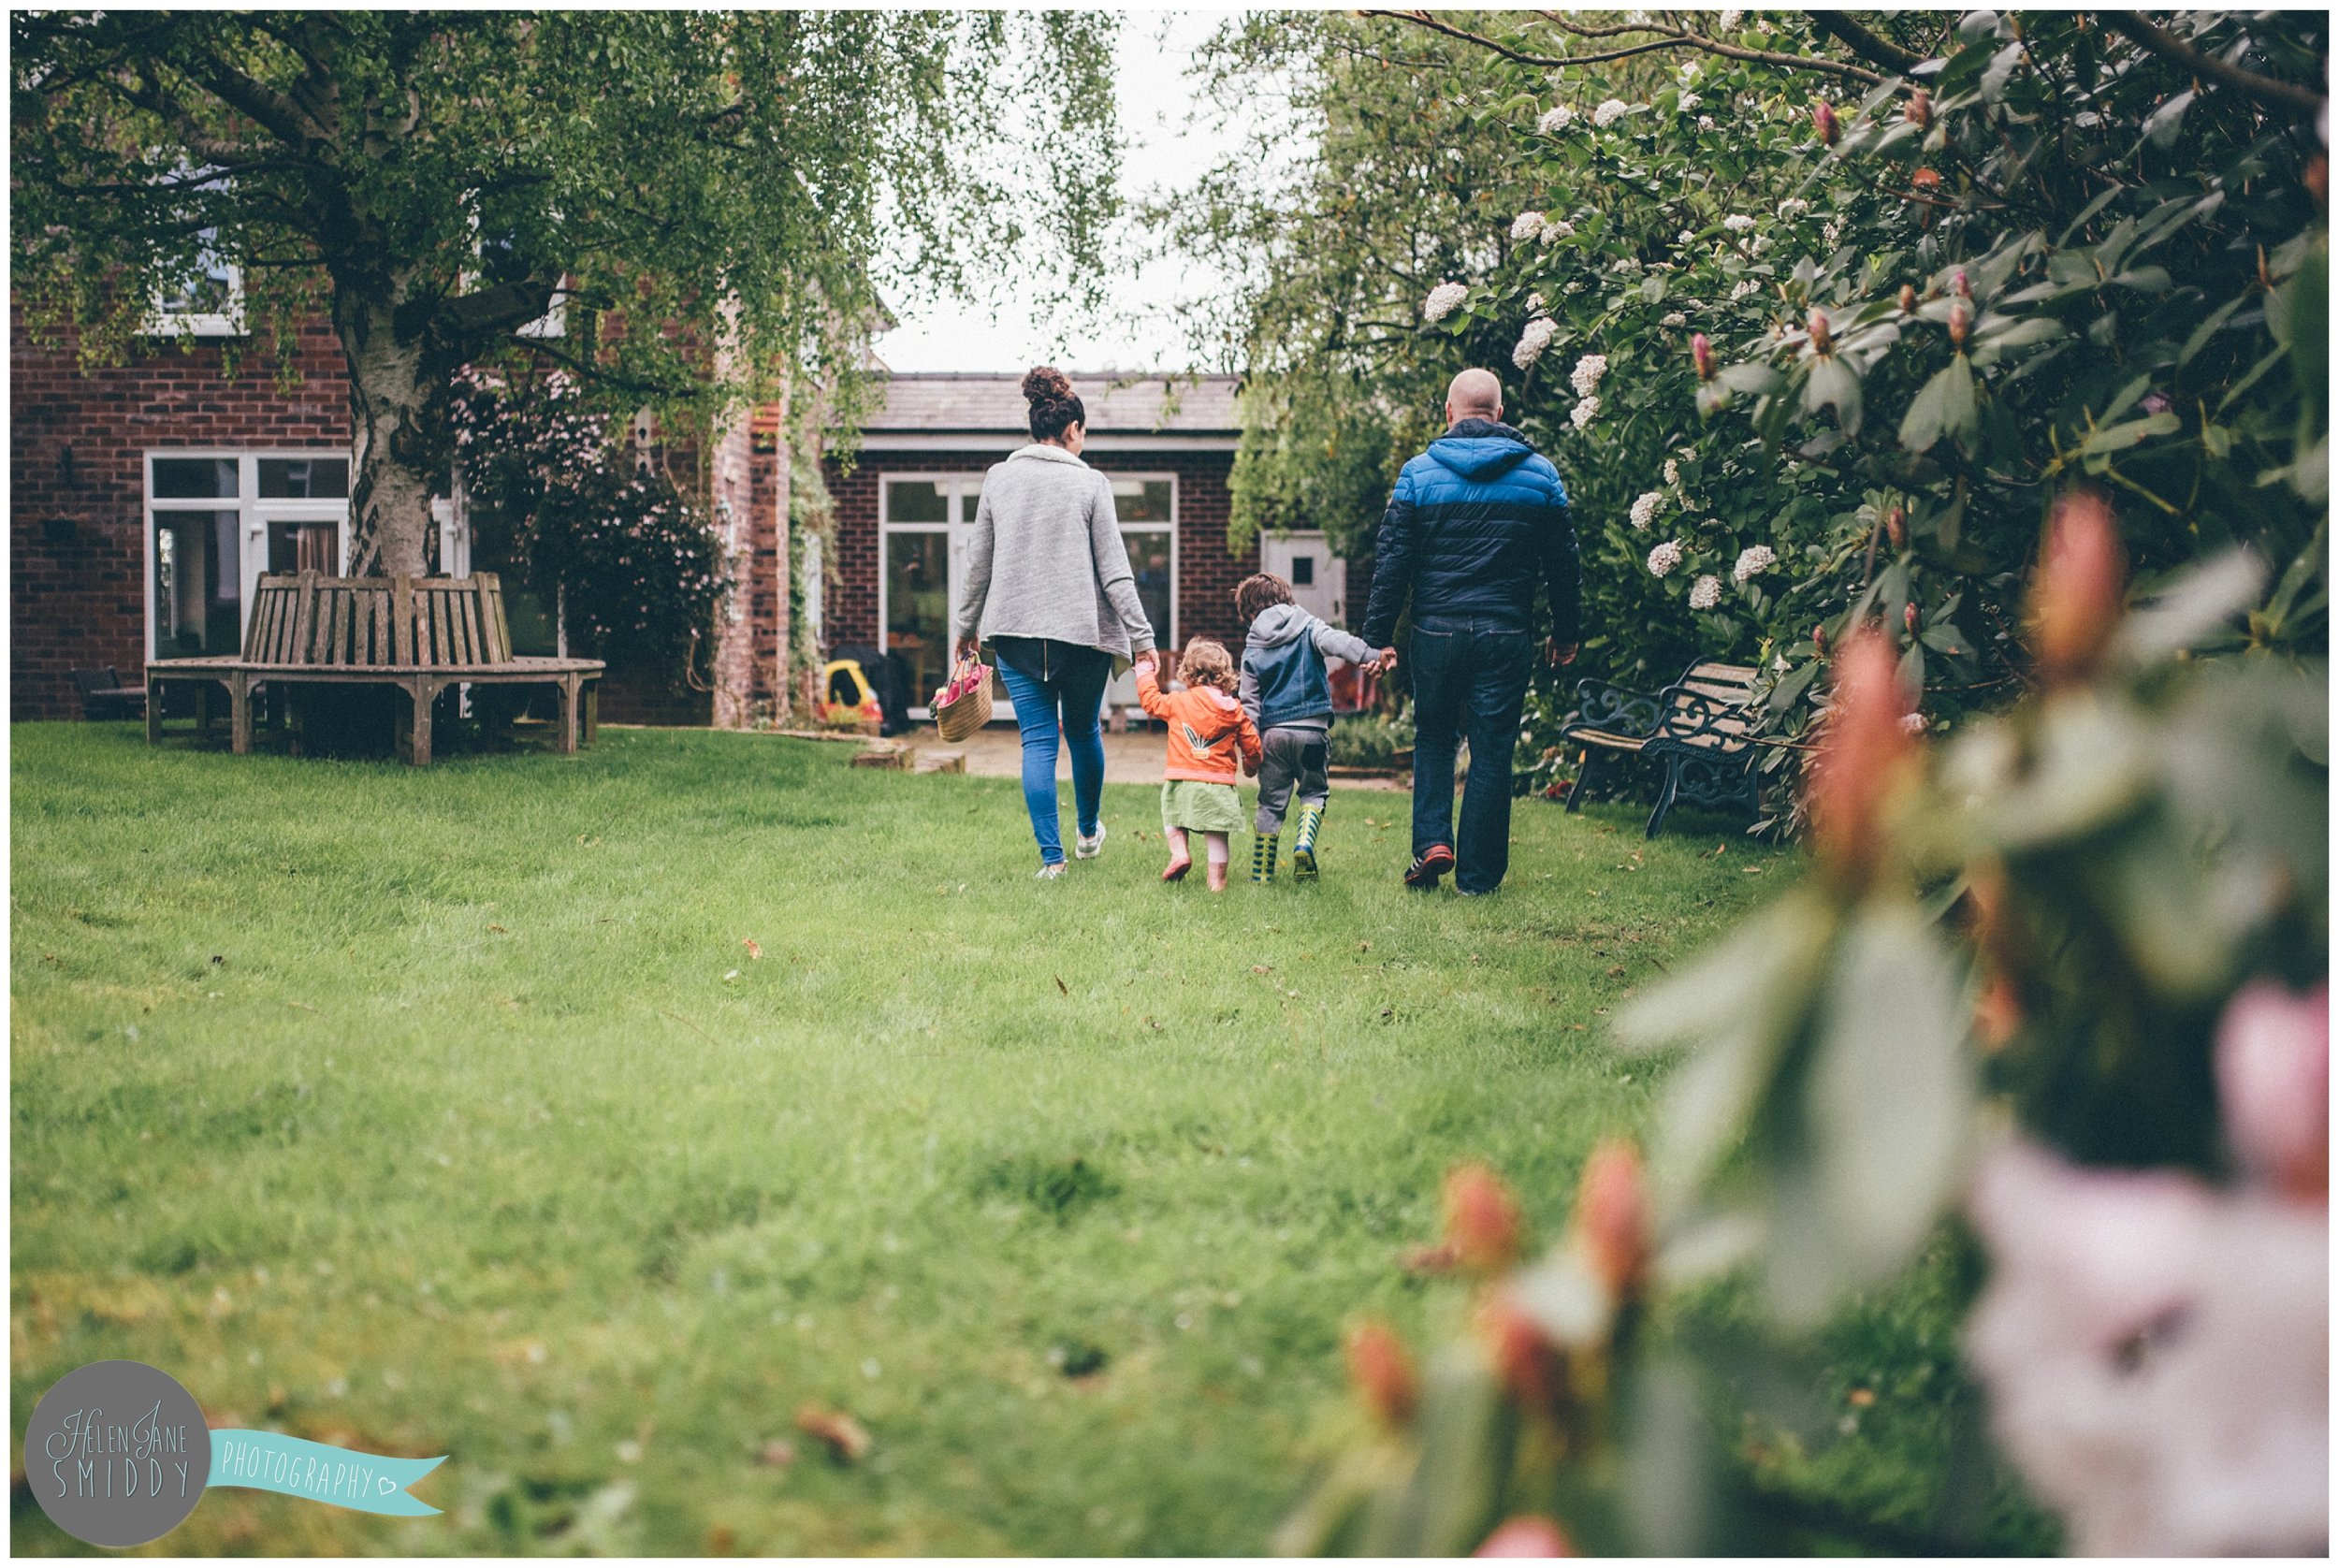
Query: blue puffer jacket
(1474, 522)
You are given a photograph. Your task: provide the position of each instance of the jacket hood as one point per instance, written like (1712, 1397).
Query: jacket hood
(1279, 624)
(1047, 454)
(1480, 448)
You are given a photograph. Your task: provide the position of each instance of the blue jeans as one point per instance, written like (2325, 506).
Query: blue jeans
(1057, 688)
(1469, 678)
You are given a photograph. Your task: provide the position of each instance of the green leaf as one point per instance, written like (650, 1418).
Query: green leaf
(1943, 406)
(1889, 1102)
(1835, 383)
(2134, 432)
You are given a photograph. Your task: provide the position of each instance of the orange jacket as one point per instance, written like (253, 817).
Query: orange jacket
(1207, 727)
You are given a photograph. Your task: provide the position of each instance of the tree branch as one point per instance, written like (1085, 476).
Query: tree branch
(2303, 102)
(1874, 48)
(1666, 39)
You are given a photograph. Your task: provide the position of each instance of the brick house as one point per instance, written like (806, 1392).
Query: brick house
(147, 499)
(902, 509)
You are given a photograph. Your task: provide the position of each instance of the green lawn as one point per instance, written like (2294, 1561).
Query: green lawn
(447, 1111)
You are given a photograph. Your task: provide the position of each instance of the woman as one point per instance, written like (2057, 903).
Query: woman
(1050, 595)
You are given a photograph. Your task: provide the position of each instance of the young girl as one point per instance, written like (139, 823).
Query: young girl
(1208, 729)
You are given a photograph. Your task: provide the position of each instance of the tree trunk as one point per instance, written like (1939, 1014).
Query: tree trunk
(396, 390)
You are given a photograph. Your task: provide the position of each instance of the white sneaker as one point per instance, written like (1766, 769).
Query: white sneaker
(1051, 871)
(1086, 848)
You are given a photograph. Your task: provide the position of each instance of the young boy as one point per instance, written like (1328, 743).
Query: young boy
(1289, 698)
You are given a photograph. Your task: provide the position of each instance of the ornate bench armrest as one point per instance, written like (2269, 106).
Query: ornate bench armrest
(1693, 719)
(1617, 709)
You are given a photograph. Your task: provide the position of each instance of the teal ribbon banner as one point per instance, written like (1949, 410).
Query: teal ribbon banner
(319, 1472)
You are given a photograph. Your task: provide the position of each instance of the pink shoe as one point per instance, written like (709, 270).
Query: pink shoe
(1177, 868)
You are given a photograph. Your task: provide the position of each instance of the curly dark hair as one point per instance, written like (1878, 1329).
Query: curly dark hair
(1258, 591)
(1055, 406)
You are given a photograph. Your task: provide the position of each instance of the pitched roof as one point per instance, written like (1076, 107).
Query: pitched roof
(992, 405)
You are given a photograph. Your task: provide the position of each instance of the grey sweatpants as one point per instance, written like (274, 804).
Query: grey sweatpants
(1290, 757)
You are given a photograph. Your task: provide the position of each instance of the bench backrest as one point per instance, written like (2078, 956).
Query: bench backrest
(368, 622)
(1711, 705)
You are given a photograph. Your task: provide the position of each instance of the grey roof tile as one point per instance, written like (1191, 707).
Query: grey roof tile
(991, 404)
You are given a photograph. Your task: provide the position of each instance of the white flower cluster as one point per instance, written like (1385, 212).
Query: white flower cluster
(1706, 592)
(1738, 222)
(1674, 318)
(1532, 341)
(1744, 287)
(1584, 412)
(1793, 207)
(1555, 120)
(1690, 102)
(1665, 557)
(1704, 122)
(1729, 21)
(1687, 237)
(1535, 304)
(1557, 229)
(1442, 302)
(1912, 724)
(1673, 471)
(1586, 376)
(1527, 226)
(1833, 233)
(1609, 112)
(1645, 510)
(1753, 560)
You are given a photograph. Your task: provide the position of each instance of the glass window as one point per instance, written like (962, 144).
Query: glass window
(1149, 557)
(210, 289)
(918, 607)
(305, 546)
(304, 478)
(198, 584)
(1302, 571)
(1142, 501)
(184, 478)
(916, 500)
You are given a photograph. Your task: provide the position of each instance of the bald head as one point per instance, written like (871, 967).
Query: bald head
(1475, 394)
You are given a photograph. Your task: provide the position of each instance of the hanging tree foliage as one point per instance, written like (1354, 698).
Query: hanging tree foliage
(716, 194)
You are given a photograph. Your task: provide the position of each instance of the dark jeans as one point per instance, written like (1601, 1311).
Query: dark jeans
(1469, 678)
(1058, 690)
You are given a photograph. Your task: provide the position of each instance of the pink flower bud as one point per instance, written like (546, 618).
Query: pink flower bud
(1611, 1226)
(1960, 323)
(1383, 1374)
(1920, 111)
(1702, 351)
(1861, 757)
(1482, 1223)
(1897, 528)
(2273, 1086)
(1526, 1535)
(1960, 285)
(1908, 298)
(1824, 121)
(1819, 639)
(1525, 1360)
(1909, 618)
(2076, 598)
(1822, 336)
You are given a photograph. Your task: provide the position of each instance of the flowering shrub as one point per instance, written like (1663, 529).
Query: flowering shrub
(2069, 975)
(631, 558)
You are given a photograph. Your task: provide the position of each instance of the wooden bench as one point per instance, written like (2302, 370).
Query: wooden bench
(1700, 729)
(419, 635)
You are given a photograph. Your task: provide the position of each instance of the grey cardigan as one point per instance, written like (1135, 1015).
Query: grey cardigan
(1045, 558)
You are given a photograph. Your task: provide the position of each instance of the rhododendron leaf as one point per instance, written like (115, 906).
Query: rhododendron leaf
(1833, 384)
(1890, 1092)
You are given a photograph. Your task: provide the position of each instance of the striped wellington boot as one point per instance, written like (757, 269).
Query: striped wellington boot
(1263, 856)
(1303, 848)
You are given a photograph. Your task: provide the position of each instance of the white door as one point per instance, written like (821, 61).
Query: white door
(1318, 578)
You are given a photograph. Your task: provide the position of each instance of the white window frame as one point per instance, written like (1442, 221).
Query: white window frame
(163, 322)
(252, 516)
(965, 489)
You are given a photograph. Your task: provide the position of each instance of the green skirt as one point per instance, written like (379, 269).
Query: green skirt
(1201, 807)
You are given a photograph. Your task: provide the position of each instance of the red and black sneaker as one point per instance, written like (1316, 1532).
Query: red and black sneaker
(1432, 863)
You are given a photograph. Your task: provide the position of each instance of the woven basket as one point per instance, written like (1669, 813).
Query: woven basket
(957, 720)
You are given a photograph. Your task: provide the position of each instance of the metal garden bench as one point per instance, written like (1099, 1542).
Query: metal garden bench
(419, 635)
(1700, 729)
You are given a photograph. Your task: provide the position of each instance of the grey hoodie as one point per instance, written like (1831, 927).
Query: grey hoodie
(1045, 557)
(1297, 693)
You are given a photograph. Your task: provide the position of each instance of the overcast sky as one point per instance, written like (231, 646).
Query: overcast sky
(1135, 334)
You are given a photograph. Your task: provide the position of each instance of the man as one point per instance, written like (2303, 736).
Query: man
(1473, 523)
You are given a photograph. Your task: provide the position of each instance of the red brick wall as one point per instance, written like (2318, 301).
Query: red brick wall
(1206, 573)
(77, 526)
(751, 655)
